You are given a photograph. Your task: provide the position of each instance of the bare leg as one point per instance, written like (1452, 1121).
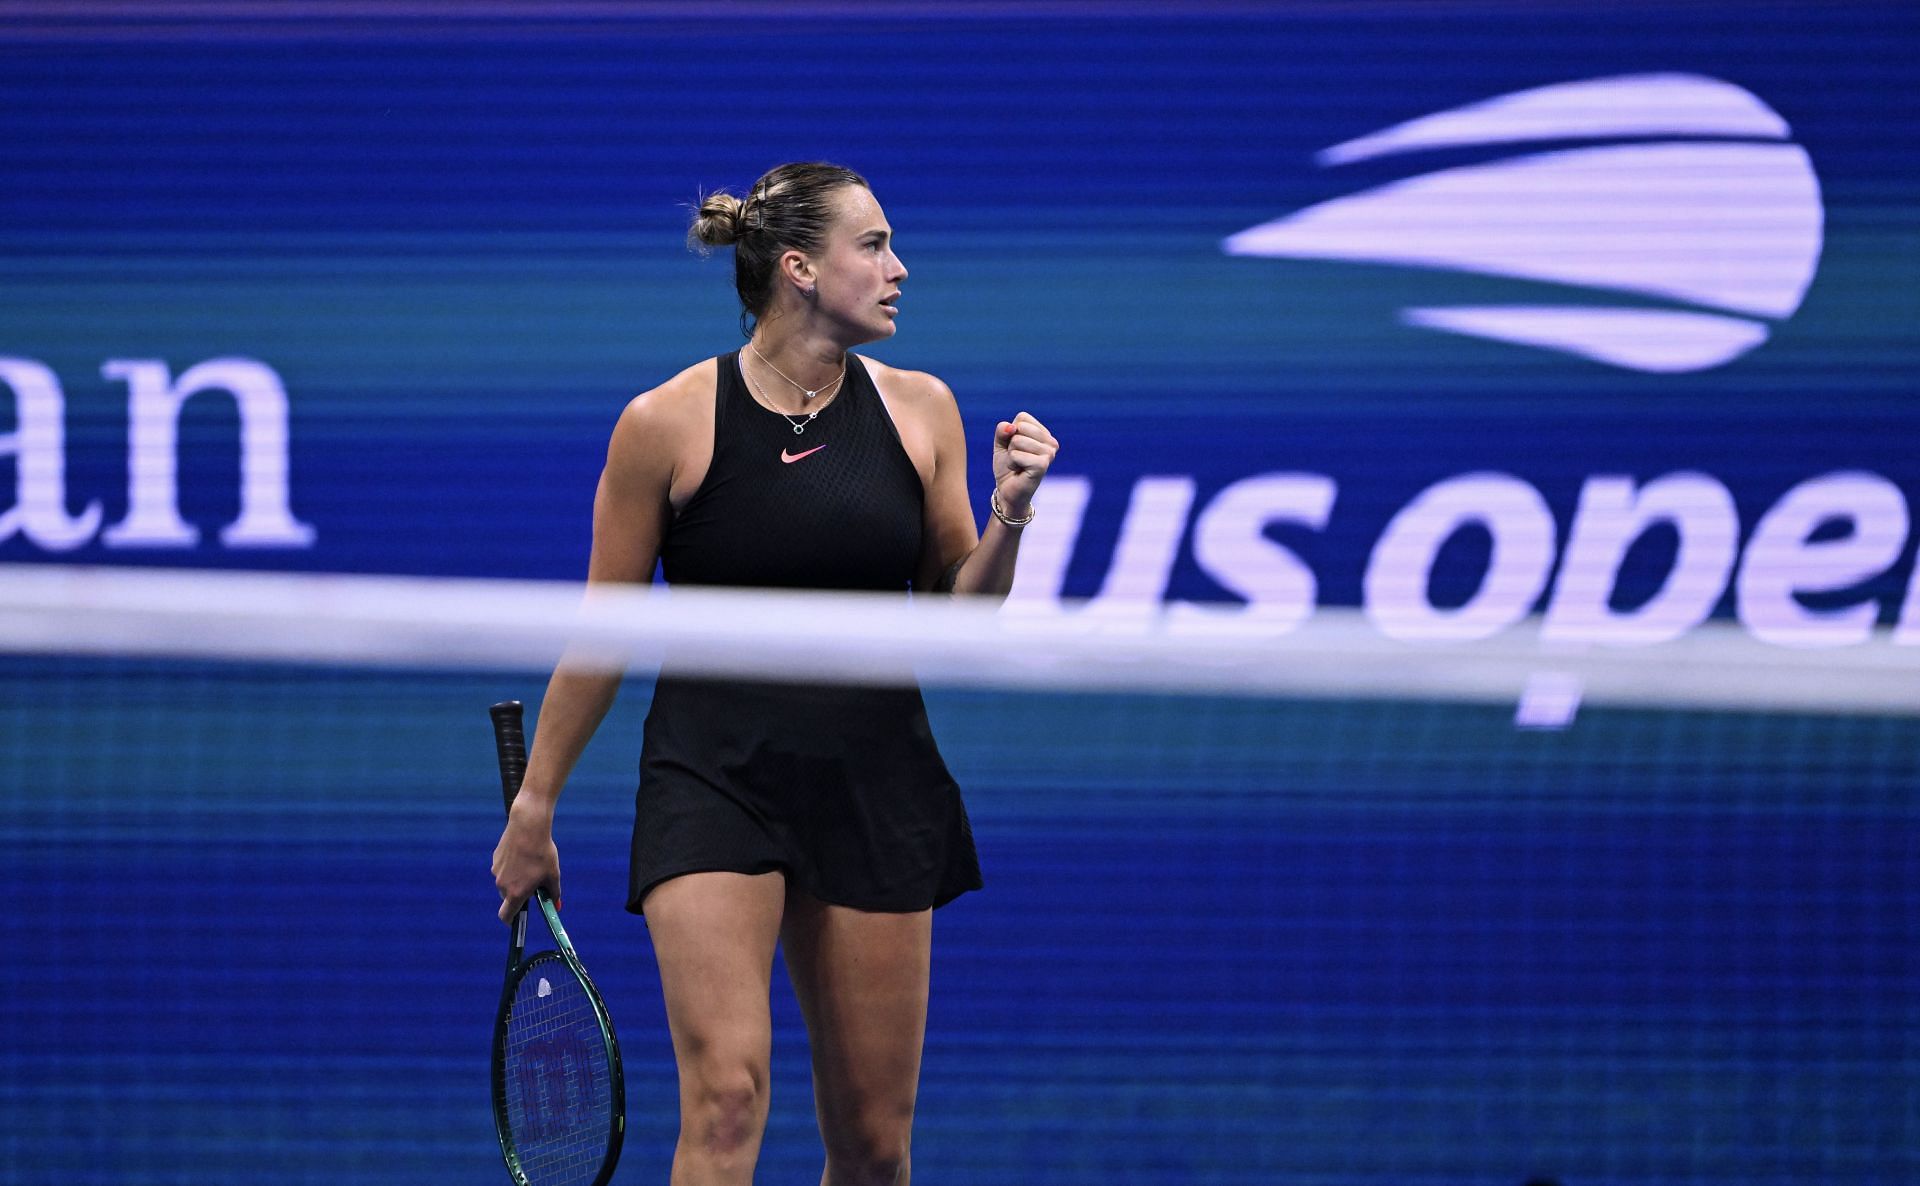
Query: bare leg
(861, 978)
(714, 935)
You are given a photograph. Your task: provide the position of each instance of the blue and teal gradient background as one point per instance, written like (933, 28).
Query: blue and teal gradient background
(1222, 941)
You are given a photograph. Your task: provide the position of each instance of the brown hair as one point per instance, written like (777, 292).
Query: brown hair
(789, 208)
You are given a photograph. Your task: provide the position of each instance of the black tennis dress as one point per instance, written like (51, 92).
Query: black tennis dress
(839, 787)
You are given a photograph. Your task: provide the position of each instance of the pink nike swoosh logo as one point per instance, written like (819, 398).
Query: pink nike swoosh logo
(790, 458)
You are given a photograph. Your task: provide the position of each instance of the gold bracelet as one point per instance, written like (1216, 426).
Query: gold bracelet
(993, 500)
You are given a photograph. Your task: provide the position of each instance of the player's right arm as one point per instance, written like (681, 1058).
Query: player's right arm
(631, 509)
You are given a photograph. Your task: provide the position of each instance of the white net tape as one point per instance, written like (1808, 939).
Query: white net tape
(446, 623)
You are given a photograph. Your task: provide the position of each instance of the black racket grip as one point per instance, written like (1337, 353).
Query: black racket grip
(510, 744)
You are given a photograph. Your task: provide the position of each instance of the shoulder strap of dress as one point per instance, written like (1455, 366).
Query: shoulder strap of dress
(871, 401)
(865, 391)
(725, 390)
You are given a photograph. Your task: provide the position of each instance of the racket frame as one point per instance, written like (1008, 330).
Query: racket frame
(510, 744)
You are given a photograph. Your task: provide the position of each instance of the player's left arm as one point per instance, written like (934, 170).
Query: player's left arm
(956, 558)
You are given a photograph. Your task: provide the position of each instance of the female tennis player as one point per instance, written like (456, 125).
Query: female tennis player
(819, 816)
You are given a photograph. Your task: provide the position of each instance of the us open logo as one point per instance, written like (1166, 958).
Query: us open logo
(1714, 214)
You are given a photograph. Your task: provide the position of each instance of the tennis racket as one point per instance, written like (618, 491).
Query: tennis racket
(559, 1101)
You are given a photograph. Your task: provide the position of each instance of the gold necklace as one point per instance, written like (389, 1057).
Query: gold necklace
(804, 393)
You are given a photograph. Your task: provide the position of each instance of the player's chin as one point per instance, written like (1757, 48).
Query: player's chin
(870, 329)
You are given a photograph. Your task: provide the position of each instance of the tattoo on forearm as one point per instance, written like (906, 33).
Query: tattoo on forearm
(944, 583)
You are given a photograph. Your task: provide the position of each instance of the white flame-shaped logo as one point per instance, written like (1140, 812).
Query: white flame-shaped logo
(1726, 219)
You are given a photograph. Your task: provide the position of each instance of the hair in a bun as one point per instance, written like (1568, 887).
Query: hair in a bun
(720, 222)
(789, 208)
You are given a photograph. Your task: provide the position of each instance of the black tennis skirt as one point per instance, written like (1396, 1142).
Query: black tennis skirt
(840, 788)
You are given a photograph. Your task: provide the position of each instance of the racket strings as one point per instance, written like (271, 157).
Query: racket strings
(559, 1088)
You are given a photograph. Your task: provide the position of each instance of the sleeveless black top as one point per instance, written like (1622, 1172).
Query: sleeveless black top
(835, 506)
(839, 787)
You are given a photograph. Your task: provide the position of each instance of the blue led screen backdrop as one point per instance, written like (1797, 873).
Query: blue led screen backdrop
(1461, 315)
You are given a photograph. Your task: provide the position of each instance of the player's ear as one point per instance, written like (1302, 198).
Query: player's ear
(798, 270)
